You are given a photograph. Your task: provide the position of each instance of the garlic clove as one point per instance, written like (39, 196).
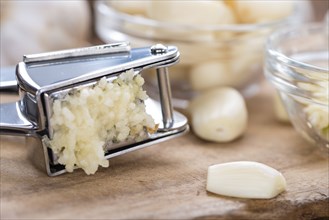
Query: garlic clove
(190, 52)
(191, 12)
(219, 115)
(255, 11)
(279, 110)
(210, 74)
(245, 179)
(131, 6)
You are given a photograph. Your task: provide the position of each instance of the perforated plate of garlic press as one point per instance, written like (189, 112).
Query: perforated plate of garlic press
(44, 78)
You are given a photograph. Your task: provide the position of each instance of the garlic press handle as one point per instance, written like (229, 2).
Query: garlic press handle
(8, 82)
(11, 119)
(12, 122)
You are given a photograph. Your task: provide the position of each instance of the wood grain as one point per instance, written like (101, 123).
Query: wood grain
(167, 181)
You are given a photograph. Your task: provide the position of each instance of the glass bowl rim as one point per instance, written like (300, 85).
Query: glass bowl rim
(102, 7)
(286, 85)
(280, 33)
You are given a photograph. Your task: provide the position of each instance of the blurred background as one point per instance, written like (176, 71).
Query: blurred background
(38, 26)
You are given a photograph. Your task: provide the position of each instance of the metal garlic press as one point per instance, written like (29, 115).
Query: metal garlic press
(42, 78)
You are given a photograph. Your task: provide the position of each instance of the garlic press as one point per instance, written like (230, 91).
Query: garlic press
(43, 78)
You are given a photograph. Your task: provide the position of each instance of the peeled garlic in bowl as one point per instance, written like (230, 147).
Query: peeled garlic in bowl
(219, 115)
(280, 112)
(210, 74)
(191, 12)
(253, 11)
(131, 7)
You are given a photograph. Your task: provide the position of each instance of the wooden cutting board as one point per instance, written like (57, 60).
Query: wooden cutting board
(167, 180)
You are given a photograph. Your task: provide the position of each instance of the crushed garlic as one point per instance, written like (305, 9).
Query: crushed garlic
(90, 118)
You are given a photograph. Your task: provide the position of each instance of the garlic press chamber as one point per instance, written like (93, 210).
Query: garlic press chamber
(43, 78)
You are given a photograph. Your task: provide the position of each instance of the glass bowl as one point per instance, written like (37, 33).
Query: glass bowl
(211, 55)
(297, 60)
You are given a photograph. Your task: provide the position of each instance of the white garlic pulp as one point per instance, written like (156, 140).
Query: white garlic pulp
(245, 179)
(88, 119)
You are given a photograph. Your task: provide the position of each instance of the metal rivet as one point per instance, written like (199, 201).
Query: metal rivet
(159, 49)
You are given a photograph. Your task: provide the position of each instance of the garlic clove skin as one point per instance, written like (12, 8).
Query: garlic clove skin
(219, 115)
(245, 179)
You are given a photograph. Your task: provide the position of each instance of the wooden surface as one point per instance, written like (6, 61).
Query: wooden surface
(167, 181)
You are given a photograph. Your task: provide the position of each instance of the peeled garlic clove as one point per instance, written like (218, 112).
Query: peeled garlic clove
(245, 67)
(318, 117)
(191, 12)
(255, 11)
(219, 115)
(245, 179)
(179, 73)
(131, 6)
(246, 57)
(190, 52)
(210, 74)
(279, 110)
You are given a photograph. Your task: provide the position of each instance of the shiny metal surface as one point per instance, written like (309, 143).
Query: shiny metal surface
(79, 52)
(165, 97)
(42, 78)
(8, 82)
(59, 73)
(13, 121)
(164, 89)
